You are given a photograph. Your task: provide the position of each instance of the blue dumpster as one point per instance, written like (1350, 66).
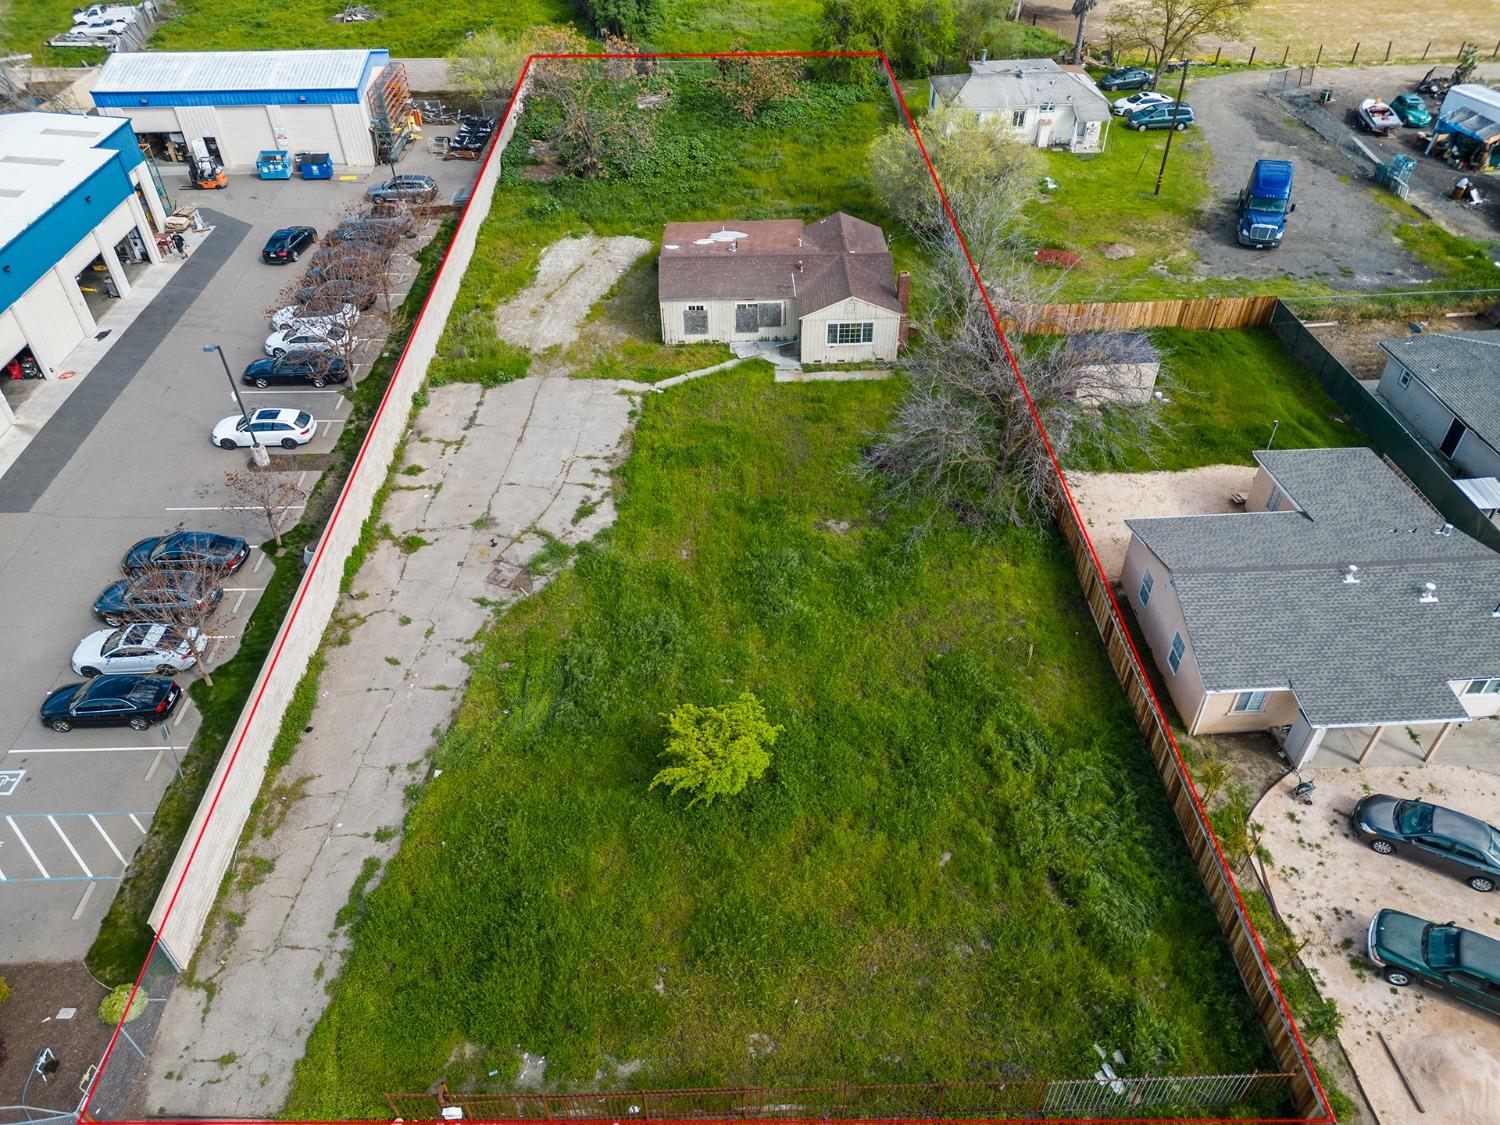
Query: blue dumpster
(272, 164)
(315, 165)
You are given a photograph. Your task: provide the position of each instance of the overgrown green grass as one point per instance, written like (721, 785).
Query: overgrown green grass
(802, 158)
(1226, 390)
(961, 864)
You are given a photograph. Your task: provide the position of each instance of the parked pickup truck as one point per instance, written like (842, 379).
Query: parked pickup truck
(1264, 204)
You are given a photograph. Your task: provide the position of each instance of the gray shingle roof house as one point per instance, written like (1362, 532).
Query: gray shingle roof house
(828, 284)
(1446, 387)
(1339, 598)
(1041, 102)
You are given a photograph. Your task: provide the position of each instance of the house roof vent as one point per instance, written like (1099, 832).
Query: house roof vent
(1351, 575)
(1445, 530)
(1429, 594)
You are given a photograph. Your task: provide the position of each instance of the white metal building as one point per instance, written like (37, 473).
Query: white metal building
(241, 102)
(78, 216)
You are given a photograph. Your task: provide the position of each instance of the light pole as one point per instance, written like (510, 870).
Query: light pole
(257, 451)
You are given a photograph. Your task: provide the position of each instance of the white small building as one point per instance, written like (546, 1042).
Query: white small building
(827, 284)
(1044, 104)
(240, 102)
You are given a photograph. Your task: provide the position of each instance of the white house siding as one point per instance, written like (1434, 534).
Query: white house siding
(1159, 620)
(1265, 495)
(1478, 706)
(1426, 415)
(1056, 127)
(721, 321)
(817, 349)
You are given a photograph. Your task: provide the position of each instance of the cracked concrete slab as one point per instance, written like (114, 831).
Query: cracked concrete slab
(573, 274)
(508, 460)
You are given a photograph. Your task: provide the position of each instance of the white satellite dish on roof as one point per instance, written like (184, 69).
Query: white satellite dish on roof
(727, 236)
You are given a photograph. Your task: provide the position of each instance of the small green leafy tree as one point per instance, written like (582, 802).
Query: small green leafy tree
(716, 751)
(1468, 63)
(112, 1007)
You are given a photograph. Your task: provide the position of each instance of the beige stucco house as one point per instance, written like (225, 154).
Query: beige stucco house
(1338, 598)
(828, 285)
(1446, 388)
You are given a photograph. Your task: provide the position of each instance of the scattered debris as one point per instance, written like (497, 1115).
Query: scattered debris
(838, 527)
(356, 13)
(761, 1045)
(1116, 250)
(1052, 256)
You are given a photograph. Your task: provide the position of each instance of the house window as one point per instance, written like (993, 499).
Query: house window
(1483, 687)
(1047, 107)
(1018, 118)
(1273, 501)
(1145, 591)
(1249, 701)
(1174, 656)
(851, 332)
(770, 314)
(695, 320)
(1404, 380)
(746, 318)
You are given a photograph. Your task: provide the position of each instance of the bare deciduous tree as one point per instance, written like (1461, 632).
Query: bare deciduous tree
(750, 83)
(187, 596)
(1171, 28)
(272, 496)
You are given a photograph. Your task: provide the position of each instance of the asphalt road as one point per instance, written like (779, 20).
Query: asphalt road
(128, 455)
(1340, 232)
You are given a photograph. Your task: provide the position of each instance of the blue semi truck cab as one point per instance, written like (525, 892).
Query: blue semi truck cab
(1264, 205)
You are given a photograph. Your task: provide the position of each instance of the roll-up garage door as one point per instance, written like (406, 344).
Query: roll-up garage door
(311, 128)
(52, 312)
(12, 339)
(244, 132)
(153, 120)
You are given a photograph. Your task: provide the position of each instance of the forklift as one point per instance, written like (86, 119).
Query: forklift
(207, 173)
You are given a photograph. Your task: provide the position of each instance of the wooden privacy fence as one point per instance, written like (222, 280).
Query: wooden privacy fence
(1158, 1097)
(1201, 313)
(1200, 839)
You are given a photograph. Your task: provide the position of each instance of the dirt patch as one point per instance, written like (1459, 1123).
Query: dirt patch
(1356, 343)
(1328, 885)
(573, 273)
(1107, 500)
(29, 1022)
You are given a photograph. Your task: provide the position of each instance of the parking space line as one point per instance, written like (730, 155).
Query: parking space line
(239, 601)
(310, 391)
(156, 761)
(342, 404)
(137, 823)
(95, 821)
(77, 749)
(88, 893)
(325, 429)
(25, 843)
(232, 508)
(258, 560)
(69, 845)
(3, 879)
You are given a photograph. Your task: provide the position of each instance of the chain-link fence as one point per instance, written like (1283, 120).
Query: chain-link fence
(119, 1078)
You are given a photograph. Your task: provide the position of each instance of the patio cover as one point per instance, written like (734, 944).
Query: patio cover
(1472, 123)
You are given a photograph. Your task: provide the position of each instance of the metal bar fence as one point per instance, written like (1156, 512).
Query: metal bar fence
(931, 1101)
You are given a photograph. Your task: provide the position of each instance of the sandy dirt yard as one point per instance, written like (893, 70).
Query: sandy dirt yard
(1107, 500)
(1328, 885)
(573, 273)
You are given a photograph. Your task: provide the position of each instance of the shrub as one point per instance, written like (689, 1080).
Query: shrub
(4, 991)
(717, 750)
(112, 1007)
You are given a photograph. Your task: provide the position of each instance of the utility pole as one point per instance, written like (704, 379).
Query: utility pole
(1176, 108)
(257, 451)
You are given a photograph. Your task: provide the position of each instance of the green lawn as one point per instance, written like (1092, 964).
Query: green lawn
(793, 161)
(1226, 390)
(960, 865)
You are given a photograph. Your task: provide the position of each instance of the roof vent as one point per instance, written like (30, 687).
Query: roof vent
(1351, 575)
(1429, 594)
(1445, 530)
(1496, 611)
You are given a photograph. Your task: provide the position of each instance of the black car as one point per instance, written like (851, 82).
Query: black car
(411, 189)
(157, 595)
(110, 701)
(1128, 78)
(287, 244)
(335, 292)
(302, 366)
(187, 548)
(1447, 840)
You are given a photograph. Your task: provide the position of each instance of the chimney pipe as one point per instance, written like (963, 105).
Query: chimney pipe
(1429, 594)
(903, 295)
(1351, 575)
(799, 265)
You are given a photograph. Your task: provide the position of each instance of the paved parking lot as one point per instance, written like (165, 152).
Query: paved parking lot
(1328, 885)
(128, 455)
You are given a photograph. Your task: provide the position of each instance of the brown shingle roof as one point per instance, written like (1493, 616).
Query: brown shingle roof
(822, 263)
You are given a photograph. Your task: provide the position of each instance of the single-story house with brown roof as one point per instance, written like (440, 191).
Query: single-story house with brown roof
(829, 285)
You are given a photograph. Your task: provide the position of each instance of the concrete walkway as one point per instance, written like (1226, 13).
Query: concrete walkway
(497, 466)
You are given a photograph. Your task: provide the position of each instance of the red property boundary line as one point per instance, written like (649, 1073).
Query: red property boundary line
(494, 154)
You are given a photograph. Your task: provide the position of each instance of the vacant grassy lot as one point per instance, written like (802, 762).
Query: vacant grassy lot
(802, 158)
(960, 865)
(1226, 390)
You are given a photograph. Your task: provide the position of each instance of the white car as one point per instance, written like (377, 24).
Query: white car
(1124, 107)
(282, 426)
(291, 317)
(151, 650)
(307, 338)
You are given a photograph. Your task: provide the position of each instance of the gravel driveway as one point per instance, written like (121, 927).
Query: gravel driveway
(1328, 885)
(1340, 232)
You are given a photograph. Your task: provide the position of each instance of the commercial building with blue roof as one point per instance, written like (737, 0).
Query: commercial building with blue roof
(78, 216)
(238, 103)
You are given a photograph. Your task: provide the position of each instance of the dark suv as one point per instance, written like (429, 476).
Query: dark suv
(287, 244)
(1439, 837)
(1168, 115)
(1460, 962)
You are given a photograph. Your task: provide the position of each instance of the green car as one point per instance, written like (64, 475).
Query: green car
(1412, 109)
(1447, 957)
